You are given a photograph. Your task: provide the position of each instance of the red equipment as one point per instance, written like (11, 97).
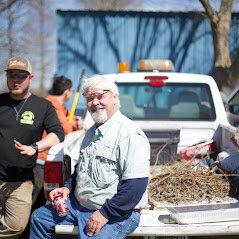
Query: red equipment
(199, 150)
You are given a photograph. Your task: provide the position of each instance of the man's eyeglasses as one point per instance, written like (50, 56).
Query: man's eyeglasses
(17, 75)
(98, 95)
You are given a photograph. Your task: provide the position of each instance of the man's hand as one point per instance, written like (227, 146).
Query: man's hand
(24, 149)
(64, 191)
(95, 223)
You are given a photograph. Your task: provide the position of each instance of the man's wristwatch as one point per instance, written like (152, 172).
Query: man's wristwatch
(34, 146)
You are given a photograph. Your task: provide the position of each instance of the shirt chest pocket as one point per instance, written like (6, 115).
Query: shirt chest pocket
(104, 170)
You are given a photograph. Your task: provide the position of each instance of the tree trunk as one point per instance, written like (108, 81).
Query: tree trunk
(222, 60)
(10, 23)
(220, 23)
(42, 49)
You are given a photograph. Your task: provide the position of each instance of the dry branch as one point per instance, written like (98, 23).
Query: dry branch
(180, 184)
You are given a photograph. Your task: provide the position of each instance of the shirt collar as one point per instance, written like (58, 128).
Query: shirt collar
(102, 129)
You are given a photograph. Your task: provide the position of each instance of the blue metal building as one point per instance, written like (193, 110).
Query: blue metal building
(99, 40)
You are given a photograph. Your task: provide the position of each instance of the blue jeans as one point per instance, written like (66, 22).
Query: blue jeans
(44, 219)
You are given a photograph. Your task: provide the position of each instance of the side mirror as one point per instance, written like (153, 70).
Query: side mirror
(234, 109)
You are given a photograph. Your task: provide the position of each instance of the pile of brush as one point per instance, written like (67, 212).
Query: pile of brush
(182, 183)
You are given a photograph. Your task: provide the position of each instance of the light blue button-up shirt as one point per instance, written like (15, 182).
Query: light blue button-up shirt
(115, 151)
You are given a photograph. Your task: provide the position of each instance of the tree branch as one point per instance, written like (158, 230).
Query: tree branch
(7, 5)
(212, 15)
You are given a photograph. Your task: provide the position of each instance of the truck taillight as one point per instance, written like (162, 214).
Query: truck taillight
(157, 83)
(53, 169)
(156, 80)
(53, 176)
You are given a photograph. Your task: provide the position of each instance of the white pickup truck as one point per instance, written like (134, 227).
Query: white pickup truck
(175, 110)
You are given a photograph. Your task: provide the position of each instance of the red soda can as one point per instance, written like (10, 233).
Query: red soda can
(60, 206)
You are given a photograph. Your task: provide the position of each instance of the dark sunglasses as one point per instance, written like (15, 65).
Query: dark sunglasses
(19, 75)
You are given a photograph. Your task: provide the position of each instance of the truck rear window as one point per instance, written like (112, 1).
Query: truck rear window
(173, 101)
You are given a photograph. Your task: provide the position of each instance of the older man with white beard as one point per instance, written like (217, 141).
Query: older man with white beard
(108, 188)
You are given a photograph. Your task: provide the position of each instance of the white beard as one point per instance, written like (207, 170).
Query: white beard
(100, 117)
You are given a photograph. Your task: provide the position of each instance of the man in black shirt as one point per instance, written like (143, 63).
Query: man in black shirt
(23, 118)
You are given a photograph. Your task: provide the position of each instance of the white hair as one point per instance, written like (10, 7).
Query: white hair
(102, 83)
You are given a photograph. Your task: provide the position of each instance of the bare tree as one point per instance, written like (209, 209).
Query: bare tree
(10, 37)
(4, 5)
(26, 28)
(225, 69)
(42, 45)
(12, 22)
(13, 40)
(40, 40)
(9, 16)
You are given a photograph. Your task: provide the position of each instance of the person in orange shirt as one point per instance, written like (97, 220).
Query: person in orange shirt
(60, 93)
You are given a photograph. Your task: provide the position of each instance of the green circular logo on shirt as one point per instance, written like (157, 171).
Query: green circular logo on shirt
(27, 117)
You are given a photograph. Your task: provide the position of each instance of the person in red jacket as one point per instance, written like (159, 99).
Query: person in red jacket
(60, 93)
